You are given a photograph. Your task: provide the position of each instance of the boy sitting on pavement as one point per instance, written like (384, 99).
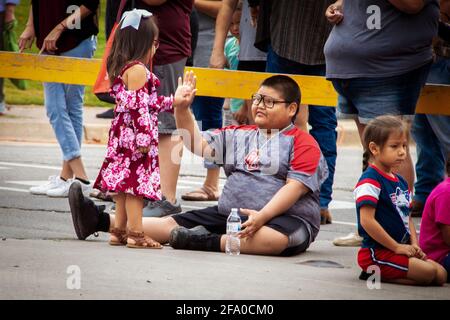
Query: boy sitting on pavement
(274, 175)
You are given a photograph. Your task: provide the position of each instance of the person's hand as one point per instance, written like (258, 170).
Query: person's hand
(144, 150)
(49, 44)
(254, 11)
(26, 38)
(186, 91)
(407, 250)
(334, 13)
(252, 225)
(419, 253)
(241, 115)
(217, 60)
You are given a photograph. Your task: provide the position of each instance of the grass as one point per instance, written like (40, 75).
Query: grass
(34, 93)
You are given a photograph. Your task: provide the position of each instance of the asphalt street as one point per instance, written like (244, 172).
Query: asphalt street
(38, 246)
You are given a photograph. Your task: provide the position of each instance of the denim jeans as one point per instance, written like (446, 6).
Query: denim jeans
(64, 105)
(322, 119)
(432, 136)
(208, 112)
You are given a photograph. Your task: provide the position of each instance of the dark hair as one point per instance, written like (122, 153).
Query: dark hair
(378, 131)
(287, 87)
(130, 45)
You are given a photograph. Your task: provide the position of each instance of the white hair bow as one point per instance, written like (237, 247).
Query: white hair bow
(133, 18)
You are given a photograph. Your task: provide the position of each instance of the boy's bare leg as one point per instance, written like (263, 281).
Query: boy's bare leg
(169, 168)
(266, 241)
(156, 228)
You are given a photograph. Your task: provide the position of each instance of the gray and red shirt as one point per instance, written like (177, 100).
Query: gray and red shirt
(257, 167)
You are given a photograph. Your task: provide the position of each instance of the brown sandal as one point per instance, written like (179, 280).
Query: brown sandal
(201, 194)
(120, 237)
(141, 241)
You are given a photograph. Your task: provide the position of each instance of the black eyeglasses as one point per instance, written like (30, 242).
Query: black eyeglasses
(269, 102)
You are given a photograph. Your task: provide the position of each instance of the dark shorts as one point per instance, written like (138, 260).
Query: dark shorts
(293, 227)
(252, 65)
(392, 266)
(368, 98)
(168, 75)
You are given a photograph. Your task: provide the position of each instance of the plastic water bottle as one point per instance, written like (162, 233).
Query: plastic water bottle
(233, 244)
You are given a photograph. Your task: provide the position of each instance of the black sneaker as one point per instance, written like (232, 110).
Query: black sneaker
(161, 208)
(85, 214)
(108, 114)
(197, 238)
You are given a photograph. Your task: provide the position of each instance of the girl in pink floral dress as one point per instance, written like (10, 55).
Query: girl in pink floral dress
(130, 170)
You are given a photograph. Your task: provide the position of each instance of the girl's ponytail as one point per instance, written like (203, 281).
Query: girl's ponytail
(365, 161)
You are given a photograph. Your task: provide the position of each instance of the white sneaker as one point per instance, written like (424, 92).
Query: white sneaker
(53, 182)
(63, 190)
(350, 240)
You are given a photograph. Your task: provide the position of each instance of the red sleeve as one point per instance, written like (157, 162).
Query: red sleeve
(305, 156)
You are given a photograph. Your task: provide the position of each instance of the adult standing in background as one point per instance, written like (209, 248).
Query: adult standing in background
(7, 8)
(432, 132)
(65, 28)
(250, 58)
(294, 34)
(376, 67)
(207, 110)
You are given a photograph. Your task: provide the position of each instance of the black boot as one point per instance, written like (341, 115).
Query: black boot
(87, 218)
(197, 238)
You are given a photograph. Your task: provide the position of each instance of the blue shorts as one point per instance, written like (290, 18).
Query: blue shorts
(368, 98)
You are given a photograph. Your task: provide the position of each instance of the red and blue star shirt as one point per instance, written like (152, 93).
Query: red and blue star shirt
(391, 199)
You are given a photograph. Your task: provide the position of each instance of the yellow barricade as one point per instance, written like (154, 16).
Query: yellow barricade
(210, 82)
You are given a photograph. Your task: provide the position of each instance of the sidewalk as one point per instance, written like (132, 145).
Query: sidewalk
(30, 124)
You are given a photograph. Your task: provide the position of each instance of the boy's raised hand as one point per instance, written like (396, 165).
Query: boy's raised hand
(186, 91)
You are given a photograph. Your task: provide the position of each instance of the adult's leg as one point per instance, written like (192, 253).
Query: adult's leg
(74, 95)
(170, 154)
(170, 145)
(430, 158)
(208, 113)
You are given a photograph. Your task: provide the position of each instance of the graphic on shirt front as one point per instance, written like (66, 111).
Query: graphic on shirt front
(252, 161)
(401, 200)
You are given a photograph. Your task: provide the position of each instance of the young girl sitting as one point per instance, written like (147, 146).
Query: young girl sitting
(130, 170)
(382, 203)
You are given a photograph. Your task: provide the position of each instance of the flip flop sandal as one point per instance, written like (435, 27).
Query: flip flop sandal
(201, 194)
